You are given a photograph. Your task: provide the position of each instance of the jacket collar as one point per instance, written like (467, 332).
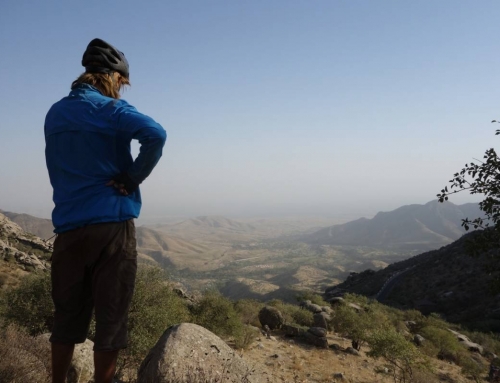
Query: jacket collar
(85, 88)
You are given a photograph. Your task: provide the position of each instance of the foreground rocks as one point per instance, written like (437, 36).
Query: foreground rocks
(188, 352)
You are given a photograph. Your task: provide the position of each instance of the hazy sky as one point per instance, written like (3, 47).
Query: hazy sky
(271, 107)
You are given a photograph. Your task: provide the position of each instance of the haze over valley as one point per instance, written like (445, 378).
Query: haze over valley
(279, 258)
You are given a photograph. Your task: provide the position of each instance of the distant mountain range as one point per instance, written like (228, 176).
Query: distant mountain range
(415, 227)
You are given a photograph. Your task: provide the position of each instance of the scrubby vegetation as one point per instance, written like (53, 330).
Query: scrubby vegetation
(390, 334)
(28, 361)
(154, 308)
(293, 314)
(382, 332)
(29, 305)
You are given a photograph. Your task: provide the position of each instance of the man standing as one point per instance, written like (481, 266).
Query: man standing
(96, 196)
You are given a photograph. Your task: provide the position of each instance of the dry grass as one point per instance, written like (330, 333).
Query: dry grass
(23, 358)
(10, 275)
(300, 363)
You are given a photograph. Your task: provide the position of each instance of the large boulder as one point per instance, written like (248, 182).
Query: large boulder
(321, 320)
(81, 369)
(318, 341)
(271, 317)
(188, 352)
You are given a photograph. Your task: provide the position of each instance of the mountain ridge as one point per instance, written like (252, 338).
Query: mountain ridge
(424, 227)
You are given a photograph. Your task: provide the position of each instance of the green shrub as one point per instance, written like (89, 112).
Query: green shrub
(29, 305)
(359, 325)
(357, 299)
(293, 314)
(248, 311)
(314, 298)
(446, 344)
(217, 314)
(23, 358)
(154, 308)
(489, 341)
(413, 315)
(395, 349)
(246, 337)
(471, 367)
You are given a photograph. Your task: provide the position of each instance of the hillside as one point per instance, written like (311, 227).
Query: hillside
(20, 253)
(40, 227)
(416, 227)
(215, 251)
(208, 227)
(167, 251)
(448, 281)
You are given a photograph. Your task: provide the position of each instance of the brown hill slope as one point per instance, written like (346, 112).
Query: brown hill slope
(423, 227)
(40, 227)
(209, 227)
(167, 250)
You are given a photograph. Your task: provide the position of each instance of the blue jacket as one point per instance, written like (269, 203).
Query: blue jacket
(87, 138)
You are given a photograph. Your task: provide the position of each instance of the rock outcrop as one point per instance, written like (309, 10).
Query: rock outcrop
(20, 252)
(188, 352)
(470, 345)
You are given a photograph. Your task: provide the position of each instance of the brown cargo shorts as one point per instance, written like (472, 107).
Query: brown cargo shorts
(94, 268)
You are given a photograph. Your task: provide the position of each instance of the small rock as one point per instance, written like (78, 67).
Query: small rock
(410, 324)
(338, 375)
(418, 339)
(317, 341)
(336, 347)
(490, 355)
(317, 331)
(327, 309)
(355, 307)
(352, 351)
(336, 300)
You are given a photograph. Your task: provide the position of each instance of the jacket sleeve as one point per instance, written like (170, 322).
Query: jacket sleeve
(151, 137)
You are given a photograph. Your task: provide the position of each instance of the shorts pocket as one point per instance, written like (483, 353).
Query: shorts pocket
(130, 241)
